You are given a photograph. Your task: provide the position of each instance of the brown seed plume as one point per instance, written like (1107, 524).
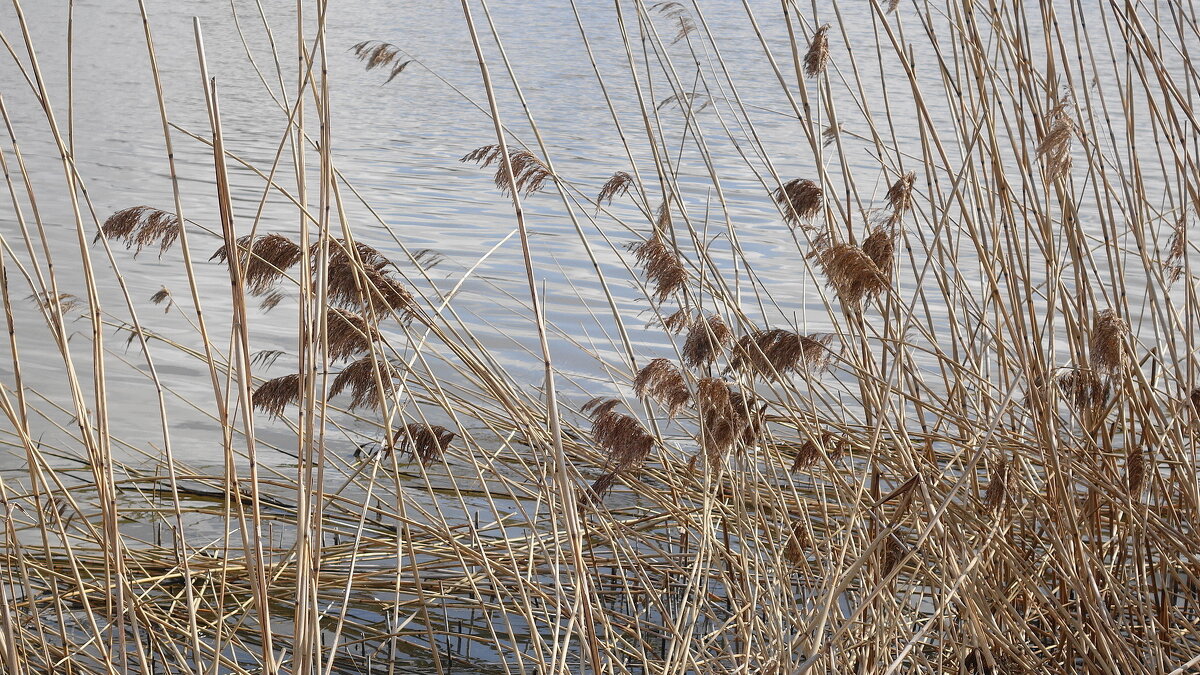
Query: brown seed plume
(163, 295)
(267, 259)
(359, 378)
(349, 334)
(374, 54)
(777, 351)
(726, 416)
(1084, 389)
(800, 200)
(899, 195)
(619, 184)
(676, 321)
(705, 341)
(662, 267)
(1055, 147)
(1135, 471)
(622, 437)
(362, 278)
(880, 247)
(830, 134)
(529, 174)
(817, 56)
(997, 489)
(796, 551)
(678, 13)
(661, 380)
(807, 456)
(427, 443)
(850, 272)
(1109, 335)
(273, 396)
(141, 226)
(600, 487)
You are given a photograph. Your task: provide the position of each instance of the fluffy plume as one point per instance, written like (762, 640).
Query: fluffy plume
(1084, 389)
(1055, 147)
(880, 247)
(662, 267)
(427, 443)
(678, 13)
(141, 226)
(851, 272)
(349, 334)
(1109, 333)
(767, 352)
(529, 174)
(360, 277)
(817, 56)
(831, 133)
(163, 295)
(891, 555)
(676, 321)
(1135, 471)
(359, 379)
(374, 54)
(621, 436)
(727, 416)
(600, 487)
(619, 184)
(796, 551)
(800, 200)
(899, 195)
(892, 5)
(998, 487)
(270, 257)
(274, 395)
(66, 301)
(705, 341)
(661, 380)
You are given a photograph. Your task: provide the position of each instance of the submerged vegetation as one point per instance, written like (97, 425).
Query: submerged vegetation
(958, 434)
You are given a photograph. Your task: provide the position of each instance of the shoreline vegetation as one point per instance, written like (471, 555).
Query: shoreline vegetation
(971, 448)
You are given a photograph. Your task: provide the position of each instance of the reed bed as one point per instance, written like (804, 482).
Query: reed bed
(961, 437)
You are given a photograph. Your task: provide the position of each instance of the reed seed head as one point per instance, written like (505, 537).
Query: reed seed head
(899, 195)
(1109, 335)
(359, 378)
(619, 184)
(1084, 389)
(141, 226)
(662, 267)
(800, 200)
(529, 174)
(817, 57)
(349, 334)
(778, 351)
(273, 396)
(851, 273)
(705, 341)
(661, 380)
(426, 443)
(1055, 147)
(267, 259)
(622, 437)
(375, 54)
(362, 278)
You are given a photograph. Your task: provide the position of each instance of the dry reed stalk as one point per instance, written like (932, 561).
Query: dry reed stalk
(661, 265)
(141, 226)
(800, 200)
(661, 380)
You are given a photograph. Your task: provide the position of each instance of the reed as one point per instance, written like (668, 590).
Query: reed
(914, 389)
